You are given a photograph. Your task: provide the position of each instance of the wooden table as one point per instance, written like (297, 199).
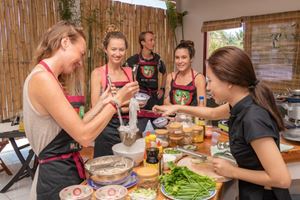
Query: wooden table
(204, 147)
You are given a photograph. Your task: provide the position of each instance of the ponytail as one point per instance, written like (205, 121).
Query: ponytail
(264, 97)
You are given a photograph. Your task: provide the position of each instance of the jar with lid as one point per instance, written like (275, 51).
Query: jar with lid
(175, 133)
(188, 136)
(162, 136)
(198, 134)
(147, 178)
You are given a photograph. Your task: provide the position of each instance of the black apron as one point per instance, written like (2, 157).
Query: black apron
(60, 166)
(110, 134)
(184, 94)
(60, 163)
(147, 76)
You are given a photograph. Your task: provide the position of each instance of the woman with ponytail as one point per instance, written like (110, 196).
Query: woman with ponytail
(254, 126)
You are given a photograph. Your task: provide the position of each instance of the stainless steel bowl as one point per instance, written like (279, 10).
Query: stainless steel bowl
(107, 170)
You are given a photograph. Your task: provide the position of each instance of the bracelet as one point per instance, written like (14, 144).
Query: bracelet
(113, 105)
(116, 102)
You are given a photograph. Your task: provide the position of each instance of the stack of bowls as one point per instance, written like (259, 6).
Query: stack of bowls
(109, 170)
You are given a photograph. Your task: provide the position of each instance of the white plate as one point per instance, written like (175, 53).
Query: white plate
(162, 189)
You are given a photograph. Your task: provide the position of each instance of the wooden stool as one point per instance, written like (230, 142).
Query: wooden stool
(3, 143)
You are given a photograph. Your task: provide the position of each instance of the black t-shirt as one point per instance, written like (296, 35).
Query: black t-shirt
(249, 121)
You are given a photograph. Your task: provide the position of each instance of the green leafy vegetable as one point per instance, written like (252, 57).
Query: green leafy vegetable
(183, 183)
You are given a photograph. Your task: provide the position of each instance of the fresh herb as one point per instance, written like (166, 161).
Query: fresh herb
(183, 183)
(172, 151)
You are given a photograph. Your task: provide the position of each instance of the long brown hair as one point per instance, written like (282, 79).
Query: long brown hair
(51, 40)
(233, 65)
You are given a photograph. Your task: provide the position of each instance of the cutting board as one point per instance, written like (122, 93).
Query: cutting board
(203, 168)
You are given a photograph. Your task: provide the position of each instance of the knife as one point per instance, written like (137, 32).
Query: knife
(192, 153)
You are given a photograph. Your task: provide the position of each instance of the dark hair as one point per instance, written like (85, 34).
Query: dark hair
(186, 44)
(142, 37)
(51, 40)
(113, 32)
(233, 65)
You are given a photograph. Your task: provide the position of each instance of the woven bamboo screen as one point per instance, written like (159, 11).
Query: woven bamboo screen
(273, 42)
(221, 24)
(23, 22)
(21, 25)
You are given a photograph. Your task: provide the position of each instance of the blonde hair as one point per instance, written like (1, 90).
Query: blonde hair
(51, 40)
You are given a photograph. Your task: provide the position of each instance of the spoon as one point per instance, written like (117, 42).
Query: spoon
(118, 109)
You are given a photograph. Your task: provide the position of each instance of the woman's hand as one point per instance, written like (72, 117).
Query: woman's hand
(223, 167)
(127, 92)
(165, 109)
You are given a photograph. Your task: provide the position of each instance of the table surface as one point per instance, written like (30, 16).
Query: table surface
(292, 155)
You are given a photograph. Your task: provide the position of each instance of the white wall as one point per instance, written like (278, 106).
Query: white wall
(207, 10)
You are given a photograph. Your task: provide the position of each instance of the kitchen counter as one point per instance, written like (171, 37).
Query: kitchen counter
(292, 156)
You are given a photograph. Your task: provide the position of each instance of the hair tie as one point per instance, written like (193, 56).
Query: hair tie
(253, 85)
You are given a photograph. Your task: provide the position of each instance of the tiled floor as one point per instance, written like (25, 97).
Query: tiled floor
(20, 190)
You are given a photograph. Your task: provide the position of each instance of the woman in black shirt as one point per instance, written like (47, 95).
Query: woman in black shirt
(254, 124)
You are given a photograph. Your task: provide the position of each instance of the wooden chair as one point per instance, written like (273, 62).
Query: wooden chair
(3, 143)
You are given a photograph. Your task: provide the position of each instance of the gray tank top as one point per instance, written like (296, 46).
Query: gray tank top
(39, 129)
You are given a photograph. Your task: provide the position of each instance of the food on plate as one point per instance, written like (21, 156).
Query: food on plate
(143, 194)
(183, 183)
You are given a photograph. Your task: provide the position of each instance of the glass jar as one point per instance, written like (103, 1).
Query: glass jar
(188, 136)
(198, 134)
(147, 178)
(175, 134)
(162, 136)
(175, 129)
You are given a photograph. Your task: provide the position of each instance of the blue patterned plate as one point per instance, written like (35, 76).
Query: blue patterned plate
(130, 181)
(211, 194)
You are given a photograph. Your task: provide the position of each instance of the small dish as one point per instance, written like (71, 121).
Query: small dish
(111, 192)
(160, 122)
(142, 98)
(190, 147)
(76, 192)
(168, 158)
(143, 194)
(178, 154)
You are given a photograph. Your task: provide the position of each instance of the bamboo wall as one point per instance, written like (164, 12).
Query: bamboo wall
(21, 24)
(131, 20)
(24, 21)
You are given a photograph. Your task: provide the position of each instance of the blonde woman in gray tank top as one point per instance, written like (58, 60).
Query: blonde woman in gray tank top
(54, 129)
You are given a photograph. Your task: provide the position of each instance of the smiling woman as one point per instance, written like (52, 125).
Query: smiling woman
(185, 86)
(115, 46)
(53, 128)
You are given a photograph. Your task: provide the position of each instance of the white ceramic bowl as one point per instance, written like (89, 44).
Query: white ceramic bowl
(178, 154)
(76, 192)
(111, 192)
(160, 122)
(135, 151)
(142, 98)
(168, 158)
